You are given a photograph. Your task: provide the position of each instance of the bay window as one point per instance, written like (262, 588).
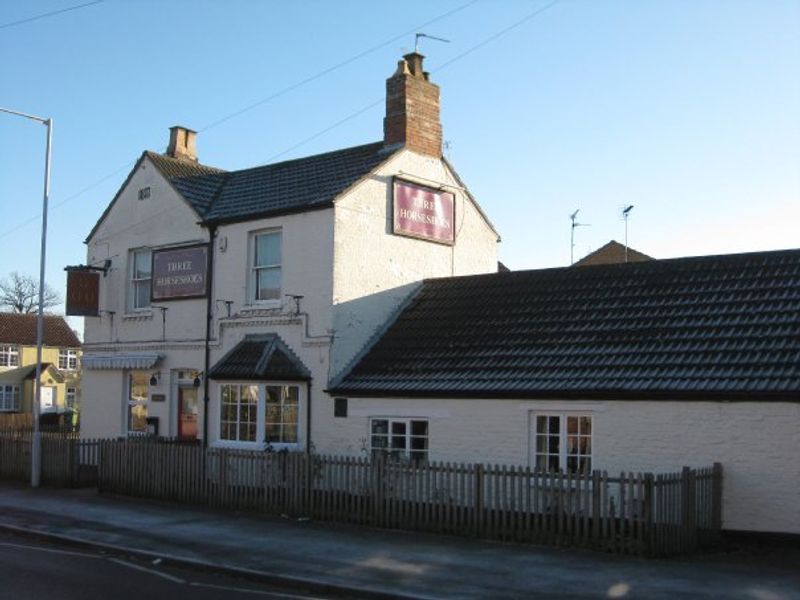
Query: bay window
(259, 415)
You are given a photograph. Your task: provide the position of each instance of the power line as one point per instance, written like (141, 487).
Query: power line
(277, 94)
(49, 14)
(333, 68)
(470, 50)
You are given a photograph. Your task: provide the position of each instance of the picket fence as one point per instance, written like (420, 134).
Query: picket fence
(633, 513)
(67, 460)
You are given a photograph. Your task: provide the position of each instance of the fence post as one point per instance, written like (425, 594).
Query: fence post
(596, 508)
(716, 501)
(647, 520)
(478, 500)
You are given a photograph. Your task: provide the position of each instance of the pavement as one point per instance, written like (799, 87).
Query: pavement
(333, 560)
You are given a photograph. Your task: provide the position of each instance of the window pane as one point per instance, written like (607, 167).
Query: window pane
(586, 425)
(141, 294)
(141, 264)
(250, 394)
(268, 249)
(273, 413)
(139, 383)
(137, 418)
(273, 432)
(268, 284)
(541, 462)
(554, 427)
(380, 426)
(552, 463)
(419, 443)
(553, 444)
(419, 428)
(399, 428)
(289, 434)
(380, 441)
(290, 394)
(572, 424)
(541, 443)
(273, 394)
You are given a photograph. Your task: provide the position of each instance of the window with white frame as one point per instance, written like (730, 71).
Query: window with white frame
(563, 442)
(9, 356)
(265, 276)
(239, 413)
(399, 438)
(140, 279)
(281, 415)
(67, 359)
(138, 393)
(71, 396)
(259, 414)
(9, 398)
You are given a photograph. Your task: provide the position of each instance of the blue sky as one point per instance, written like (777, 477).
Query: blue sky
(689, 110)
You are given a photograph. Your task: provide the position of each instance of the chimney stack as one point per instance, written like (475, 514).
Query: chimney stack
(182, 143)
(412, 109)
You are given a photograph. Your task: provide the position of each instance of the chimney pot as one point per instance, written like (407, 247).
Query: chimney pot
(182, 143)
(412, 108)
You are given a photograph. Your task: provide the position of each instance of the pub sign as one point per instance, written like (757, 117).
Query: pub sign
(83, 293)
(180, 273)
(423, 212)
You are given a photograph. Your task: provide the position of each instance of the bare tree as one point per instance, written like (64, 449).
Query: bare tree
(20, 294)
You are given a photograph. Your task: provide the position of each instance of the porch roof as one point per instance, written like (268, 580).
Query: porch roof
(121, 361)
(260, 358)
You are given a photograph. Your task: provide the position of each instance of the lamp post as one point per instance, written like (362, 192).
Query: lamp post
(36, 443)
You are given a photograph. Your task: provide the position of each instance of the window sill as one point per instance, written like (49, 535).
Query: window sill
(142, 315)
(254, 446)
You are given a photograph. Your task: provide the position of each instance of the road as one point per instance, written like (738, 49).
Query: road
(32, 570)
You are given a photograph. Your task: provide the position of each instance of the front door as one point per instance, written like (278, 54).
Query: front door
(187, 413)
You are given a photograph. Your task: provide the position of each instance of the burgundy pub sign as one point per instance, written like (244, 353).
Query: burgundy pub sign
(180, 273)
(423, 212)
(83, 293)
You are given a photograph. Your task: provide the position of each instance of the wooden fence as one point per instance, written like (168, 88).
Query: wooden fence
(15, 421)
(633, 513)
(67, 460)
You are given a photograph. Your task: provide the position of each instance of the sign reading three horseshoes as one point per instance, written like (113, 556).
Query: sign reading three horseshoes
(180, 273)
(423, 212)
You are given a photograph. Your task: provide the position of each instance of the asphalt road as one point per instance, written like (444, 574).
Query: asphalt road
(33, 570)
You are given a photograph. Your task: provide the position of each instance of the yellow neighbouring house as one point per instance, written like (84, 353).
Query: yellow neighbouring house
(61, 375)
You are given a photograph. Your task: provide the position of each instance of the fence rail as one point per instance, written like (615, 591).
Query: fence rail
(633, 513)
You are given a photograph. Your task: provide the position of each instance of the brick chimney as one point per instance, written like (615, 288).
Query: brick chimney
(412, 108)
(182, 143)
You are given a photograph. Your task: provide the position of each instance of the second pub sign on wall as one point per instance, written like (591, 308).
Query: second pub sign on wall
(180, 273)
(423, 212)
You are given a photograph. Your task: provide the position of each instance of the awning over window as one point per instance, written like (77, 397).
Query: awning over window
(260, 358)
(121, 361)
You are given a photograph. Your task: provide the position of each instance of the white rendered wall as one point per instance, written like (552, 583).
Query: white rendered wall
(375, 270)
(756, 443)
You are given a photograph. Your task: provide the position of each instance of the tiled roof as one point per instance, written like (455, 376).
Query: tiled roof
(259, 358)
(280, 188)
(18, 328)
(716, 327)
(612, 252)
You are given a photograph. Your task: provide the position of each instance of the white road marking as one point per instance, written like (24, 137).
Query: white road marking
(51, 550)
(125, 563)
(249, 591)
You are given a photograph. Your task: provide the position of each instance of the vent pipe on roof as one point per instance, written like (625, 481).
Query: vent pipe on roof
(182, 143)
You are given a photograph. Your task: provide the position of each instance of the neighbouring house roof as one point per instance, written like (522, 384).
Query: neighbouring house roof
(20, 329)
(714, 327)
(260, 358)
(20, 374)
(613, 252)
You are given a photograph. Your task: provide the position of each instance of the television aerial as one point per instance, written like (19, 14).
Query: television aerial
(626, 212)
(573, 217)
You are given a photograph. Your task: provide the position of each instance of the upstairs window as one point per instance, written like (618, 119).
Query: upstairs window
(140, 278)
(9, 356)
(265, 275)
(67, 359)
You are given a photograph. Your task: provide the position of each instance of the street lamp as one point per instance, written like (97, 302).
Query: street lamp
(36, 443)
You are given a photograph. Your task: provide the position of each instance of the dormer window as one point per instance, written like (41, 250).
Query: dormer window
(140, 278)
(265, 277)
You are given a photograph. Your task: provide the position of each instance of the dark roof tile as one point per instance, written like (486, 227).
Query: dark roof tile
(716, 326)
